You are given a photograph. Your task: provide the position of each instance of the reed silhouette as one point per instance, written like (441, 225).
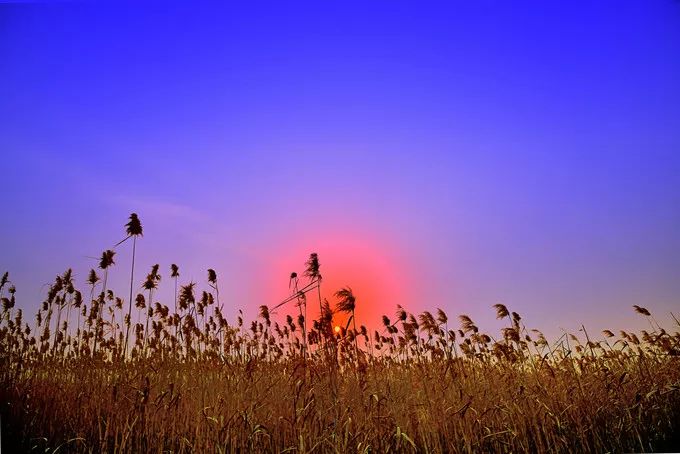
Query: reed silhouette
(189, 381)
(133, 229)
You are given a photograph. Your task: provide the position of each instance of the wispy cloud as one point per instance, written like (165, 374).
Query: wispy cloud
(160, 208)
(202, 227)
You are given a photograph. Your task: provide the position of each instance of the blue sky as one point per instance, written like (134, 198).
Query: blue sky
(460, 153)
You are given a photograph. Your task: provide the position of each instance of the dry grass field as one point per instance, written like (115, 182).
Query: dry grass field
(81, 377)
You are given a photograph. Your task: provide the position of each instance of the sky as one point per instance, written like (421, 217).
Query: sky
(453, 155)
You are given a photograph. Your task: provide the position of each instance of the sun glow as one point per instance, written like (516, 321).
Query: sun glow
(368, 263)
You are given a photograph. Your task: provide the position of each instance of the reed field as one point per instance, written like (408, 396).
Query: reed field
(97, 371)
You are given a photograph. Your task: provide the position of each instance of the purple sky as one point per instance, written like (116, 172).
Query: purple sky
(450, 155)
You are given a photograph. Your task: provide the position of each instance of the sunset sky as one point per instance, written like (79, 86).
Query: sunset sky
(453, 155)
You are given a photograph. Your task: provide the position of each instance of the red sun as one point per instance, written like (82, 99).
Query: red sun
(370, 266)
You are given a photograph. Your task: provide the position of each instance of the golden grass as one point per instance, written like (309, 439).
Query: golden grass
(193, 382)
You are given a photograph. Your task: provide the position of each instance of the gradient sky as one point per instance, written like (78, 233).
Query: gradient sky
(450, 155)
